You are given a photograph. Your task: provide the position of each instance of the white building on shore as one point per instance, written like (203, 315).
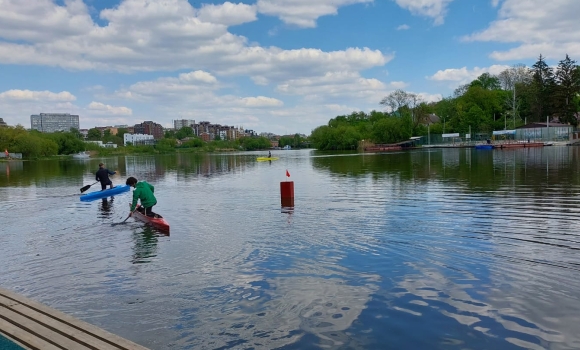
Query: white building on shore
(138, 139)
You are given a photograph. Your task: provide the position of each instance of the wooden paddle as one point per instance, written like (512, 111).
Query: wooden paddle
(122, 222)
(84, 188)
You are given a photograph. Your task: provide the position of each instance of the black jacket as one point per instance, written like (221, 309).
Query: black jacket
(103, 175)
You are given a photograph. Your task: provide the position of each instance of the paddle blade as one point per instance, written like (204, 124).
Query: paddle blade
(83, 189)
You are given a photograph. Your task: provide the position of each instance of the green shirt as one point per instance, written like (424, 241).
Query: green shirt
(144, 192)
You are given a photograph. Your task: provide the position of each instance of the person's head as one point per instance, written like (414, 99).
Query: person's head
(101, 165)
(131, 181)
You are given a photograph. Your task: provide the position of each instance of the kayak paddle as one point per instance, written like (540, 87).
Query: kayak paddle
(84, 188)
(122, 222)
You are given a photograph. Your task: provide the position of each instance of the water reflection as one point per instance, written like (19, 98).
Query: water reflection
(106, 207)
(474, 169)
(145, 244)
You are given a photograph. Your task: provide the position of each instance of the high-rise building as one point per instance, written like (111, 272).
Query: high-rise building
(149, 128)
(180, 123)
(52, 122)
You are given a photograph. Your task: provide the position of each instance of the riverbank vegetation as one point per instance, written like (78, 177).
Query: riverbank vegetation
(33, 144)
(516, 96)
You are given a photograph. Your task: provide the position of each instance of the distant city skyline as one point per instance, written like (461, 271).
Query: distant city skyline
(272, 66)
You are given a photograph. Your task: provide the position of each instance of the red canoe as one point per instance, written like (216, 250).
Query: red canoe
(158, 221)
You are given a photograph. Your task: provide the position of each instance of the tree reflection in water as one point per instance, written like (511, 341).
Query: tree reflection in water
(145, 244)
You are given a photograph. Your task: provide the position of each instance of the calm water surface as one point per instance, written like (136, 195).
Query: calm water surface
(430, 249)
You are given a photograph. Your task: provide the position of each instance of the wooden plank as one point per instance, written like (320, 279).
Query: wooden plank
(87, 340)
(37, 330)
(67, 324)
(23, 337)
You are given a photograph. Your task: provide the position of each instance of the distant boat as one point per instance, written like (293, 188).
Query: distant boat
(81, 155)
(263, 159)
(484, 146)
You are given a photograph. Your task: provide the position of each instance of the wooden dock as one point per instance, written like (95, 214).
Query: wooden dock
(32, 325)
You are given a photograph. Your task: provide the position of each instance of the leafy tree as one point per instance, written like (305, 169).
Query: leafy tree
(94, 134)
(67, 142)
(76, 133)
(184, 132)
(169, 134)
(391, 130)
(487, 81)
(121, 132)
(399, 99)
(192, 143)
(255, 143)
(166, 145)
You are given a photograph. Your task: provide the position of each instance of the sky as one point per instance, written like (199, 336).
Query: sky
(279, 66)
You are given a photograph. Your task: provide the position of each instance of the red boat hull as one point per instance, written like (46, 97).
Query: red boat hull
(159, 222)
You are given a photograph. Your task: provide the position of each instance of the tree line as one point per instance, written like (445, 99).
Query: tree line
(34, 144)
(516, 96)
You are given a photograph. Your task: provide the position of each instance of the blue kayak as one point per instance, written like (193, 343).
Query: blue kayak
(106, 193)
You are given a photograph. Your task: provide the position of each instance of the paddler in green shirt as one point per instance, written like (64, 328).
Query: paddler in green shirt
(144, 192)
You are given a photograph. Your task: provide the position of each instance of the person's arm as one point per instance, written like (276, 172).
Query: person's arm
(135, 199)
(111, 172)
(97, 177)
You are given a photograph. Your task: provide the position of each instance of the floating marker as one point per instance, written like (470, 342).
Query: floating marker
(287, 192)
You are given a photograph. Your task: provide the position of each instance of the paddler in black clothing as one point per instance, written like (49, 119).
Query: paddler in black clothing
(103, 176)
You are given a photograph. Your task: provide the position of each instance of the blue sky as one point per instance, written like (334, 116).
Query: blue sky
(281, 66)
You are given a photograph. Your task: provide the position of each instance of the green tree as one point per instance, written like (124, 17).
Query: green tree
(566, 91)
(121, 132)
(94, 134)
(169, 134)
(487, 81)
(166, 145)
(391, 130)
(541, 90)
(184, 132)
(67, 142)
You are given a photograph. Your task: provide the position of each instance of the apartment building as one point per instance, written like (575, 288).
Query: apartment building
(52, 122)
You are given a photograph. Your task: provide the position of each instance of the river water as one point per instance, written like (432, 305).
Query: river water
(427, 249)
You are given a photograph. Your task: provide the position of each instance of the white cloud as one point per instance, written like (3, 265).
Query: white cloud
(170, 35)
(41, 20)
(436, 9)
(227, 13)
(464, 75)
(101, 107)
(166, 88)
(550, 28)
(403, 27)
(261, 101)
(303, 13)
(338, 86)
(430, 97)
(28, 95)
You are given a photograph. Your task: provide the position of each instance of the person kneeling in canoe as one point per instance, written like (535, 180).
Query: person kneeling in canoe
(143, 192)
(103, 177)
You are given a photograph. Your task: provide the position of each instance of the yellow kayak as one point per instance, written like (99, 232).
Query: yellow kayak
(263, 159)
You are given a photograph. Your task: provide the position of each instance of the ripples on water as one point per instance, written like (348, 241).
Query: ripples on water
(447, 249)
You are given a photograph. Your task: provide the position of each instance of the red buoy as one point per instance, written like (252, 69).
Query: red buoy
(287, 193)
